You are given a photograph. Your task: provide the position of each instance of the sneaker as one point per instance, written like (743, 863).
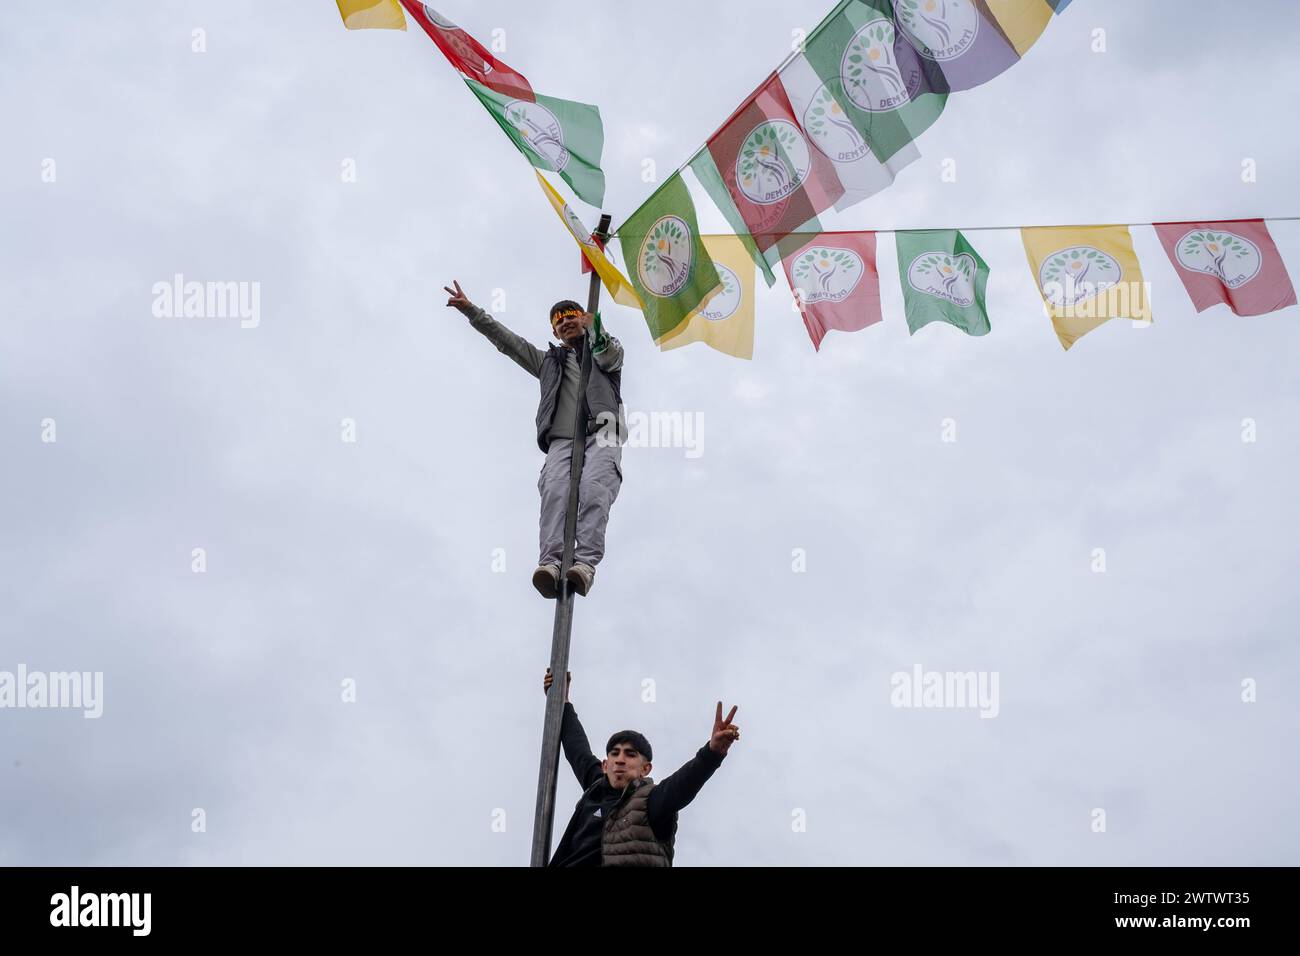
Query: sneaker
(581, 577)
(547, 580)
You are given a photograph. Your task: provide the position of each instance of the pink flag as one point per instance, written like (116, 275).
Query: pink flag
(835, 281)
(1231, 262)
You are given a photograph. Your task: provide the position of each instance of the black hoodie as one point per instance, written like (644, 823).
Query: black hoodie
(580, 845)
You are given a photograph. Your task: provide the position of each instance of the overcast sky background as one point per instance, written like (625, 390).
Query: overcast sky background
(373, 561)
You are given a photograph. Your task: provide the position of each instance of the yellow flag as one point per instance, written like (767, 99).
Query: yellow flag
(615, 282)
(372, 14)
(1023, 21)
(1086, 274)
(726, 321)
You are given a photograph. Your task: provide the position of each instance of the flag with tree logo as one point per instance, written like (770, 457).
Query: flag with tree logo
(666, 259)
(1231, 263)
(726, 321)
(944, 279)
(1086, 274)
(835, 283)
(562, 136)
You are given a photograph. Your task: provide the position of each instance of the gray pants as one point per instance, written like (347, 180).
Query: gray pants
(602, 476)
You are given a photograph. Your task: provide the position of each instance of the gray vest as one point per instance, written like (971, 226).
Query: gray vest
(604, 402)
(628, 839)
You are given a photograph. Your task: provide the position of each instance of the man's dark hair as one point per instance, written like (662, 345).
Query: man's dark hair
(564, 306)
(630, 737)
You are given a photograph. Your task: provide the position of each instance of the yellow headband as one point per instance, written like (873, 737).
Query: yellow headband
(559, 317)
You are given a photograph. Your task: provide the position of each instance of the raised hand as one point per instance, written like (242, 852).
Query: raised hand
(568, 682)
(725, 733)
(458, 298)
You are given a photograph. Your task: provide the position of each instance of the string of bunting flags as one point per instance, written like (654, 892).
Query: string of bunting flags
(832, 125)
(1086, 274)
(562, 136)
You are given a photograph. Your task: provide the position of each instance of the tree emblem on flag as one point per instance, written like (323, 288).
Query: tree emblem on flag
(938, 29)
(944, 276)
(870, 72)
(540, 130)
(1230, 258)
(773, 162)
(1077, 273)
(665, 260)
(726, 300)
(827, 274)
(831, 130)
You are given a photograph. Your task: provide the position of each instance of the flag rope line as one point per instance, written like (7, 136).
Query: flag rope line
(1089, 225)
(789, 58)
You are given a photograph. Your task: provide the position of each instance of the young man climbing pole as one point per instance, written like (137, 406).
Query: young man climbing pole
(557, 371)
(624, 818)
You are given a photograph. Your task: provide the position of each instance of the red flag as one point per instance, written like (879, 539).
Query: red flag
(468, 55)
(835, 282)
(776, 177)
(1233, 263)
(600, 244)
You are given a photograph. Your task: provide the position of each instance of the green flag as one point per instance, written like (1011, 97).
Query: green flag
(890, 93)
(666, 259)
(559, 135)
(943, 279)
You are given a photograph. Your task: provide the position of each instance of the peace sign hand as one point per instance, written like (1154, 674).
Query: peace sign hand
(725, 733)
(458, 298)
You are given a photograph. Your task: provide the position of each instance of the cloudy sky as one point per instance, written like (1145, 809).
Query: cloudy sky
(373, 561)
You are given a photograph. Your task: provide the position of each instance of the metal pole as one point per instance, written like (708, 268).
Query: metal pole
(562, 631)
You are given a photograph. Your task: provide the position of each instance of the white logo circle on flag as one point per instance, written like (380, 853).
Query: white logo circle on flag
(773, 162)
(437, 19)
(461, 44)
(944, 276)
(831, 130)
(577, 228)
(870, 72)
(664, 262)
(1232, 259)
(1077, 273)
(938, 29)
(827, 274)
(540, 130)
(726, 301)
